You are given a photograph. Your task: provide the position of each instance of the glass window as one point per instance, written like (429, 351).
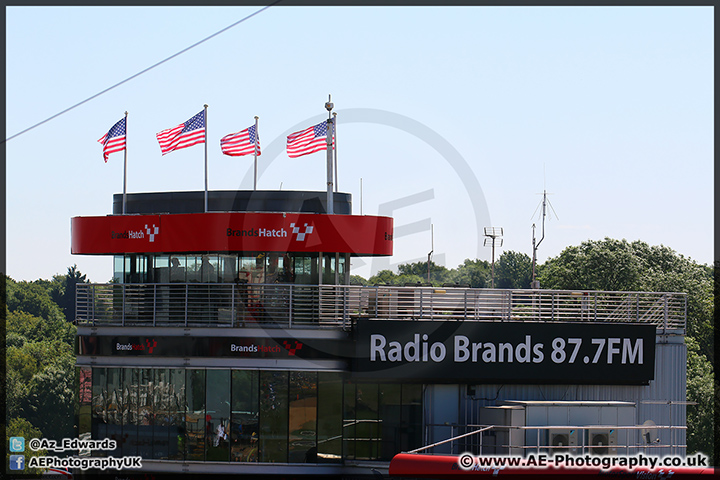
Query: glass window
(145, 412)
(349, 420)
(245, 413)
(330, 423)
(306, 269)
(217, 415)
(367, 431)
(83, 381)
(389, 413)
(178, 266)
(192, 268)
(273, 416)
(160, 269)
(129, 412)
(302, 419)
(99, 404)
(195, 418)
(119, 268)
(227, 268)
(161, 413)
(411, 418)
(114, 401)
(176, 411)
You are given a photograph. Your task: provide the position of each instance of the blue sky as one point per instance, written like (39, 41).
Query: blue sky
(608, 109)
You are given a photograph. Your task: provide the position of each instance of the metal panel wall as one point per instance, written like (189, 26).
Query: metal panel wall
(662, 401)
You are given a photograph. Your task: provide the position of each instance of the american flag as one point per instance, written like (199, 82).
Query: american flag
(307, 141)
(114, 140)
(241, 143)
(184, 135)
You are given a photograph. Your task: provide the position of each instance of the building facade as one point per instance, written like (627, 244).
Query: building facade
(230, 341)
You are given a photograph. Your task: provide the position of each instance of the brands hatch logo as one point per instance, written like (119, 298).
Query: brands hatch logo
(155, 230)
(301, 236)
(292, 350)
(137, 234)
(148, 346)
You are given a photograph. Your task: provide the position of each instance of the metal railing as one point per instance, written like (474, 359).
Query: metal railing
(285, 305)
(575, 439)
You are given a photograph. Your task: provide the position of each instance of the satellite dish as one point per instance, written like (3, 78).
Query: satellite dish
(649, 433)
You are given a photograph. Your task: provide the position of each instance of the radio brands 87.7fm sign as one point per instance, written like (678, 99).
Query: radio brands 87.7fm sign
(505, 352)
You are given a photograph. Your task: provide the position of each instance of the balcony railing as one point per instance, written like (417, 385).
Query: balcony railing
(287, 305)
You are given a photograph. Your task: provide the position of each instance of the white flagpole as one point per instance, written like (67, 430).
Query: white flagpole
(328, 135)
(206, 166)
(257, 139)
(125, 167)
(335, 147)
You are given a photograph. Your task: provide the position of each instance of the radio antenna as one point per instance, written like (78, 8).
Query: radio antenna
(545, 204)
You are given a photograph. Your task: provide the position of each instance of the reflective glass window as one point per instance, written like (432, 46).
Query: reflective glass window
(114, 402)
(367, 431)
(349, 420)
(330, 417)
(245, 414)
(129, 412)
(161, 413)
(273, 416)
(302, 417)
(411, 418)
(176, 412)
(178, 267)
(160, 269)
(389, 416)
(84, 388)
(145, 412)
(195, 418)
(99, 404)
(217, 415)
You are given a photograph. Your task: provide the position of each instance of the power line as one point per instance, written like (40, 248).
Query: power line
(144, 71)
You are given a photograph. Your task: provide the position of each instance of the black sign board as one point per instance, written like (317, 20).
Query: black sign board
(505, 352)
(235, 347)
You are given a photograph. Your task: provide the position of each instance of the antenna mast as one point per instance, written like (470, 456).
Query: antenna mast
(545, 204)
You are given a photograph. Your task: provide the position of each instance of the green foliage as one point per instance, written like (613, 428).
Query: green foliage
(513, 270)
(438, 273)
(32, 298)
(39, 358)
(358, 280)
(19, 427)
(383, 277)
(699, 390)
(49, 403)
(473, 273)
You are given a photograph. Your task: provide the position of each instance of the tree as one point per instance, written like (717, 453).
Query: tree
(19, 427)
(438, 273)
(610, 265)
(699, 390)
(474, 273)
(513, 270)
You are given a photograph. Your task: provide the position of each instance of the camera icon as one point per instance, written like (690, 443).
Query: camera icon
(17, 444)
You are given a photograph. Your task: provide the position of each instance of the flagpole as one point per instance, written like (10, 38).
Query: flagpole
(328, 135)
(335, 147)
(206, 166)
(125, 168)
(257, 139)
